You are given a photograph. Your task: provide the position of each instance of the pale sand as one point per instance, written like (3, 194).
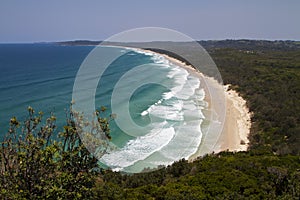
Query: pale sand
(237, 123)
(232, 132)
(236, 128)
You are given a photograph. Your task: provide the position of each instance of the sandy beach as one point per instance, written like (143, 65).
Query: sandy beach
(237, 123)
(228, 118)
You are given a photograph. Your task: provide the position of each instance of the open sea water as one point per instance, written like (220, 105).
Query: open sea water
(42, 76)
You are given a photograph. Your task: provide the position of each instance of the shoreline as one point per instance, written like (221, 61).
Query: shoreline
(236, 129)
(233, 133)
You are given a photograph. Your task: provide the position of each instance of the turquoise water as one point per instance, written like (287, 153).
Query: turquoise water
(38, 75)
(42, 76)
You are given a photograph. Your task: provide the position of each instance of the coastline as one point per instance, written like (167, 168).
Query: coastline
(236, 125)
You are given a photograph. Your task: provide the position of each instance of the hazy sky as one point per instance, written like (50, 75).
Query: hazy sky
(57, 20)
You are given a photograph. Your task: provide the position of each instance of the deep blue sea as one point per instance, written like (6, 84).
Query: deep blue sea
(42, 76)
(37, 75)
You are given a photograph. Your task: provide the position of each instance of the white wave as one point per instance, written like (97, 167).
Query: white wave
(145, 112)
(193, 115)
(139, 148)
(185, 142)
(168, 112)
(184, 84)
(168, 95)
(177, 72)
(181, 134)
(189, 105)
(147, 53)
(130, 54)
(200, 94)
(156, 58)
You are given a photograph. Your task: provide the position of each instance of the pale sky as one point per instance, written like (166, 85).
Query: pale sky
(59, 20)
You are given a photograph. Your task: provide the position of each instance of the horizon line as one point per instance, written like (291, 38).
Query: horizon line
(198, 40)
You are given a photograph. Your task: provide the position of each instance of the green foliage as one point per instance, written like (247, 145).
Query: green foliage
(266, 74)
(270, 82)
(222, 176)
(33, 166)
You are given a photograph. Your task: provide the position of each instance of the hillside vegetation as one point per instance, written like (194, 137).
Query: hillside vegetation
(266, 74)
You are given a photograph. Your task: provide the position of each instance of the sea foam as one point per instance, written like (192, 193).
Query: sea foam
(178, 136)
(139, 148)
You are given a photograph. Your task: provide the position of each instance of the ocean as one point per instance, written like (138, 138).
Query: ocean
(168, 110)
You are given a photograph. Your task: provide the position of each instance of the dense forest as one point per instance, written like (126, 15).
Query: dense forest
(265, 73)
(269, 79)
